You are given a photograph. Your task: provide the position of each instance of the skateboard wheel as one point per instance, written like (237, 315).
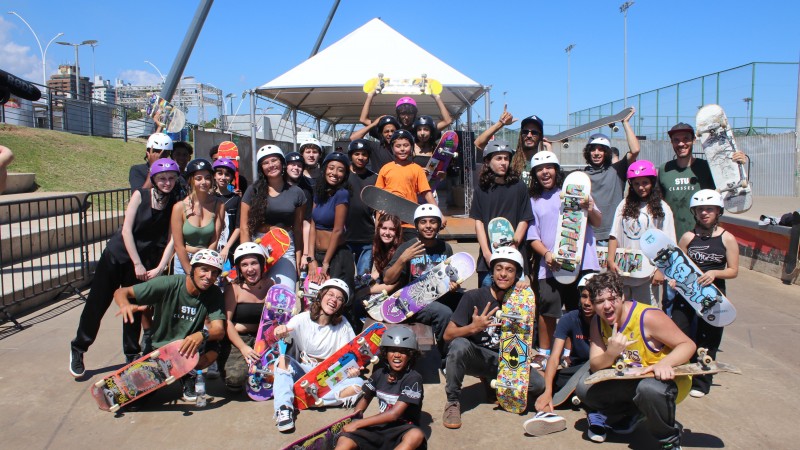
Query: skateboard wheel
(577, 261)
(114, 408)
(270, 260)
(499, 314)
(565, 145)
(170, 379)
(374, 359)
(561, 195)
(304, 383)
(100, 384)
(575, 400)
(366, 303)
(154, 354)
(318, 403)
(706, 360)
(701, 352)
(360, 341)
(745, 183)
(409, 314)
(493, 384)
(224, 274)
(619, 366)
(455, 154)
(614, 127)
(257, 241)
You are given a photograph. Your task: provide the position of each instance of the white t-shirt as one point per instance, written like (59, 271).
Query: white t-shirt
(628, 232)
(319, 341)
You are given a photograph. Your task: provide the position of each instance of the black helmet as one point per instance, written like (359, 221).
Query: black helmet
(197, 165)
(386, 120)
(294, 157)
(340, 157)
(402, 134)
(430, 123)
(399, 336)
(359, 145)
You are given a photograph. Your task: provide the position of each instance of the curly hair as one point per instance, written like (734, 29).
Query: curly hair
(258, 207)
(588, 150)
(604, 281)
(324, 191)
(486, 180)
(315, 310)
(535, 190)
(383, 253)
(632, 201)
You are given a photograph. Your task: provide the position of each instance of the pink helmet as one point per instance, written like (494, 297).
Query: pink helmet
(405, 101)
(642, 168)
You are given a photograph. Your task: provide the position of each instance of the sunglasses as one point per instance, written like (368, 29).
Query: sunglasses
(527, 132)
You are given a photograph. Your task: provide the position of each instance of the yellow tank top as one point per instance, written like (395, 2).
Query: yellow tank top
(640, 352)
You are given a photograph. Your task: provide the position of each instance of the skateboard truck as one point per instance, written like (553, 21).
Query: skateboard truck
(619, 365)
(496, 384)
(312, 391)
(363, 348)
(370, 302)
(704, 358)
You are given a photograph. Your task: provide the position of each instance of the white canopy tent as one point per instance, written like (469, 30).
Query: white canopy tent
(329, 85)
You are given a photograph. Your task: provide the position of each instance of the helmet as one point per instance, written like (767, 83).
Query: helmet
(544, 157)
(642, 168)
(269, 150)
(405, 101)
(706, 197)
(599, 139)
(585, 279)
(427, 210)
(164, 165)
(197, 165)
(249, 248)
(399, 336)
(159, 141)
(535, 119)
(680, 126)
(337, 156)
(497, 146)
(223, 163)
(507, 254)
(310, 141)
(208, 257)
(386, 120)
(359, 145)
(338, 284)
(426, 121)
(292, 157)
(402, 134)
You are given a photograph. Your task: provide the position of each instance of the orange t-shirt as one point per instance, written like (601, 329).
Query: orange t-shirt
(405, 181)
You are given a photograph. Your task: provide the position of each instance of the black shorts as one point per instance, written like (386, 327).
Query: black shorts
(382, 437)
(554, 295)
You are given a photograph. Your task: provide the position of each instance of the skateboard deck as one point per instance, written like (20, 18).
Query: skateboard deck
(358, 353)
(421, 85)
(632, 263)
(165, 114)
(566, 392)
(708, 301)
(716, 137)
(441, 158)
(571, 230)
(309, 291)
(374, 304)
(427, 288)
(790, 261)
(381, 200)
(325, 437)
(704, 366)
(228, 149)
(278, 307)
(500, 234)
(516, 337)
(143, 376)
(611, 121)
(276, 242)
(260, 378)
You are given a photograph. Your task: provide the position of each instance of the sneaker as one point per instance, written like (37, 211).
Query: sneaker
(213, 371)
(544, 423)
(697, 393)
(452, 415)
(189, 394)
(627, 426)
(147, 342)
(131, 358)
(671, 446)
(76, 367)
(284, 419)
(539, 362)
(597, 426)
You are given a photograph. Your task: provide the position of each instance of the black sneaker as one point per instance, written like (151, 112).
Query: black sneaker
(284, 419)
(131, 358)
(147, 342)
(212, 372)
(76, 367)
(189, 394)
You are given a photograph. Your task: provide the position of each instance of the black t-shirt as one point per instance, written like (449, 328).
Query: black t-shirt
(280, 209)
(137, 176)
(232, 202)
(360, 223)
(407, 389)
(150, 232)
(433, 255)
(462, 316)
(572, 326)
(503, 200)
(308, 190)
(608, 189)
(379, 156)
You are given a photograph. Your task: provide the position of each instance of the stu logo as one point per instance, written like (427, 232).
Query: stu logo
(683, 181)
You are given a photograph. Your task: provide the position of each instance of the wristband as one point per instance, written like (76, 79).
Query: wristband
(204, 332)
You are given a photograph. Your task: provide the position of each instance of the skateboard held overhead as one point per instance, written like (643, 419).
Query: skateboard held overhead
(228, 149)
(571, 229)
(516, 337)
(421, 85)
(611, 121)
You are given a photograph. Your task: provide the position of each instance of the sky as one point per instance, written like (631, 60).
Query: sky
(518, 47)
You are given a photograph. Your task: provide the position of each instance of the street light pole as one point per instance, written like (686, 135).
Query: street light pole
(43, 52)
(94, 75)
(77, 64)
(159, 72)
(624, 10)
(569, 51)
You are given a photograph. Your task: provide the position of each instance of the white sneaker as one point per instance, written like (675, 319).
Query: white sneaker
(696, 393)
(544, 423)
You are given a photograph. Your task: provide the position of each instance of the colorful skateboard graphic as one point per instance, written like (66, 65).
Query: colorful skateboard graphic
(513, 371)
(261, 376)
(571, 230)
(143, 376)
(631, 263)
(441, 158)
(228, 149)
(500, 233)
(381, 200)
(705, 366)
(403, 86)
(325, 437)
(309, 291)
(276, 242)
(165, 114)
(278, 307)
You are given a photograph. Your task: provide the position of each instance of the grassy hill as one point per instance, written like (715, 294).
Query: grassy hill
(67, 162)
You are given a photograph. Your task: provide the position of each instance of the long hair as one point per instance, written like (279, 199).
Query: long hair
(632, 201)
(487, 178)
(258, 209)
(316, 307)
(383, 253)
(588, 150)
(535, 190)
(324, 191)
(518, 161)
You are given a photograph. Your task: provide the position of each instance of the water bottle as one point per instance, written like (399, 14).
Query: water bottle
(200, 389)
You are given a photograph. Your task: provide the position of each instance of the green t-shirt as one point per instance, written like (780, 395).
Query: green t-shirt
(678, 185)
(177, 313)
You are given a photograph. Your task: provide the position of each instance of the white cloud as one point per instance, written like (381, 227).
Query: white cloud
(139, 77)
(20, 60)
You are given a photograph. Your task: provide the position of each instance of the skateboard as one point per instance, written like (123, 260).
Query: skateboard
(632, 263)
(442, 155)
(261, 377)
(708, 301)
(143, 376)
(165, 114)
(427, 288)
(381, 200)
(611, 121)
(568, 389)
(278, 307)
(501, 233)
(516, 337)
(228, 149)
(705, 366)
(716, 137)
(309, 291)
(571, 230)
(374, 304)
(276, 242)
(325, 437)
(403, 86)
(358, 353)
(790, 261)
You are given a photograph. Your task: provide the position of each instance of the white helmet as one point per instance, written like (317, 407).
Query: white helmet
(310, 141)
(599, 139)
(208, 257)
(507, 254)
(159, 141)
(706, 197)
(585, 280)
(427, 210)
(249, 248)
(544, 157)
(338, 284)
(269, 150)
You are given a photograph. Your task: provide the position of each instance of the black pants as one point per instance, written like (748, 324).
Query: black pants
(705, 335)
(108, 277)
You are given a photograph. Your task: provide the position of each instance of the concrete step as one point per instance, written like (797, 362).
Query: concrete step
(20, 207)
(18, 183)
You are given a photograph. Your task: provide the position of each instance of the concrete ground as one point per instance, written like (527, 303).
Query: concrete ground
(41, 406)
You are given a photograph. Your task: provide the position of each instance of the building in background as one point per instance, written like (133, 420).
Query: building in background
(64, 83)
(102, 90)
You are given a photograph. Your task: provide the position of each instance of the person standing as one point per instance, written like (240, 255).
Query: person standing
(360, 229)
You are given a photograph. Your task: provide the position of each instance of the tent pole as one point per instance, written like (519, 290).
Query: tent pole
(324, 29)
(253, 131)
(294, 128)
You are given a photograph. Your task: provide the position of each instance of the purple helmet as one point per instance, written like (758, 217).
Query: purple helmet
(164, 165)
(224, 163)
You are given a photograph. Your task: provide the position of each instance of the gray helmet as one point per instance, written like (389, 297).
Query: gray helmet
(497, 146)
(399, 336)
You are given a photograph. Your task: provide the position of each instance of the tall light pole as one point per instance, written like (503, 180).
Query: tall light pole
(159, 72)
(93, 45)
(624, 10)
(568, 50)
(77, 63)
(230, 100)
(43, 52)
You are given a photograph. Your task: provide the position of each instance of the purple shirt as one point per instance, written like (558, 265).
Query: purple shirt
(546, 214)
